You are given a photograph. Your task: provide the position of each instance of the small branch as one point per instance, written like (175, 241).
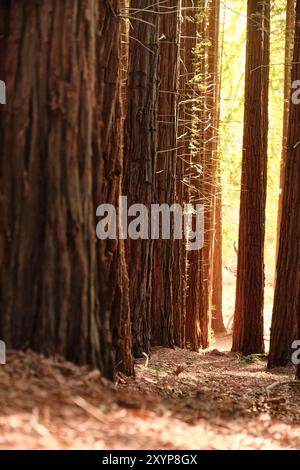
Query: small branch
(279, 383)
(147, 360)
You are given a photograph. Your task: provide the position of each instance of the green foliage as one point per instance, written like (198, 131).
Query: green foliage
(253, 359)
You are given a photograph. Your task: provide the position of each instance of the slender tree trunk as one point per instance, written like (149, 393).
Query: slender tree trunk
(193, 64)
(180, 288)
(187, 94)
(217, 294)
(217, 302)
(212, 177)
(140, 160)
(166, 265)
(287, 292)
(61, 290)
(248, 331)
(206, 188)
(199, 306)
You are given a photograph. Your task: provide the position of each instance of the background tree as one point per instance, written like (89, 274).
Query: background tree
(287, 290)
(203, 174)
(194, 63)
(184, 161)
(213, 108)
(248, 331)
(186, 92)
(61, 290)
(166, 266)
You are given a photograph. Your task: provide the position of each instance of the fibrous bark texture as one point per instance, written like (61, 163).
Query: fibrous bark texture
(61, 290)
(248, 328)
(286, 309)
(140, 159)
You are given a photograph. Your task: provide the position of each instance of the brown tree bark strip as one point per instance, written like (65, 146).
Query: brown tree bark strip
(287, 291)
(213, 279)
(166, 266)
(288, 56)
(62, 290)
(196, 324)
(186, 319)
(248, 328)
(213, 107)
(140, 160)
(217, 282)
(124, 50)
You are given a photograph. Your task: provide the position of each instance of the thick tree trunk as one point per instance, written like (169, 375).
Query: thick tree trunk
(166, 265)
(140, 160)
(61, 290)
(289, 41)
(248, 331)
(287, 292)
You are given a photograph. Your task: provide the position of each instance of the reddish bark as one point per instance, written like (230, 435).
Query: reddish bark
(287, 292)
(248, 331)
(166, 266)
(62, 290)
(140, 161)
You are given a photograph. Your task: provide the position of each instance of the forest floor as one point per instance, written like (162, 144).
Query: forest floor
(181, 400)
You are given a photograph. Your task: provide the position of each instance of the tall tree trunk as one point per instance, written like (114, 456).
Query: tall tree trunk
(217, 294)
(217, 261)
(190, 335)
(204, 176)
(140, 160)
(212, 176)
(166, 265)
(61, 290)
(289, 41)
(248, 331)
(217, 280)
(196, 324)
(287, 292)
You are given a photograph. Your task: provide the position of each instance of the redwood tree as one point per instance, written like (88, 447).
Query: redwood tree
(248, 331)
(289, 41)
(197, 321)
(202, 281)
(140, 158)
(181, 197)
(166, 266)
(213, 108)
(185, 132)
(61, 290)
(287, 291)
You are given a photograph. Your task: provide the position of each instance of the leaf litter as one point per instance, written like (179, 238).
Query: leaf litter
(178, 399)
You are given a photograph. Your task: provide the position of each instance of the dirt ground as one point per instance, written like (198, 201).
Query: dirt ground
(178, 400)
